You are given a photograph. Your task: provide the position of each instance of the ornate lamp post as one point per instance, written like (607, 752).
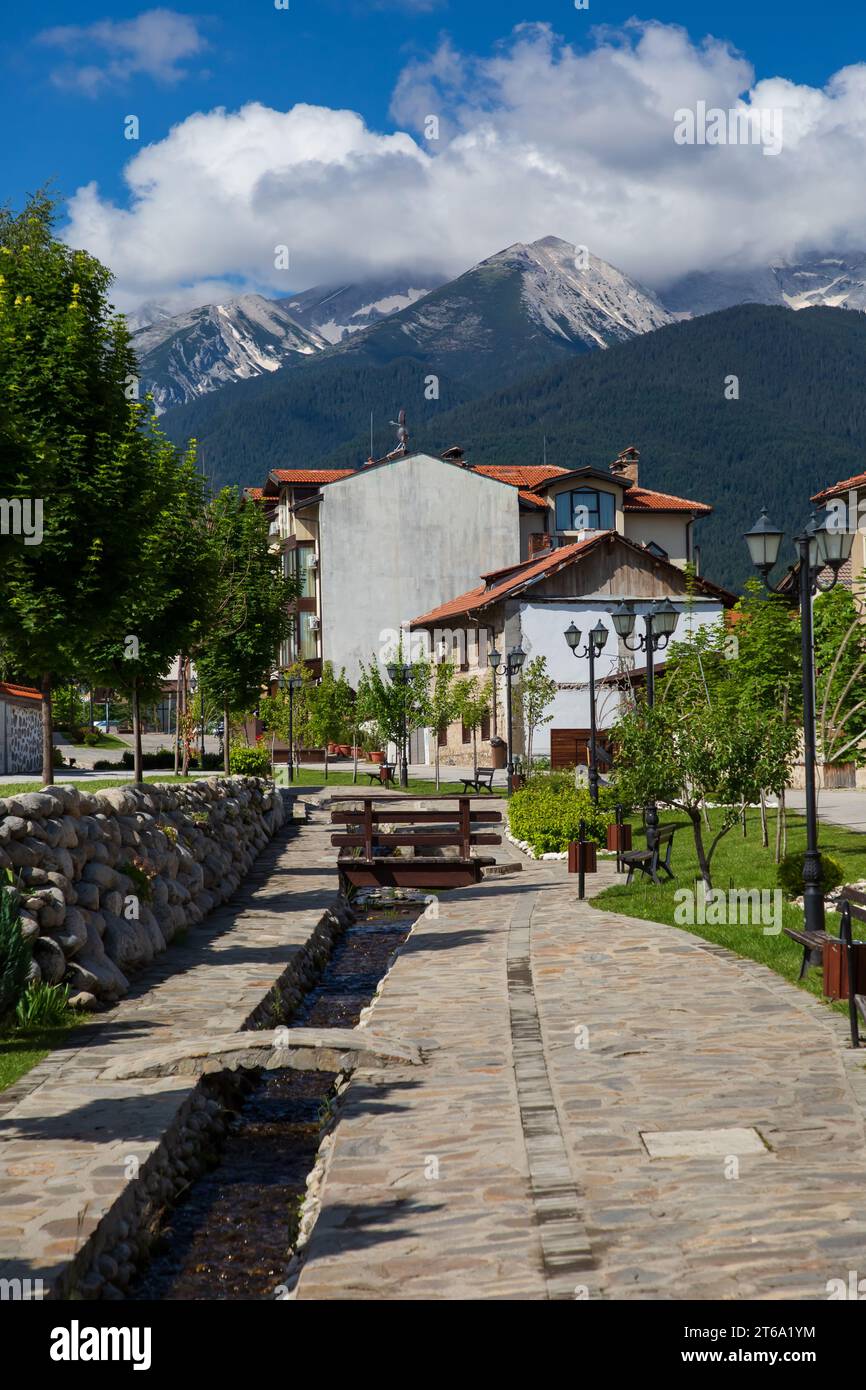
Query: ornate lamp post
(820, 546)
(659, 621)
(493, 661)
(290, 683)
(400, 674)
(513, 664)
(594, 647)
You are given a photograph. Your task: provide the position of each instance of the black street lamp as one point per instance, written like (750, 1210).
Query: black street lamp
(400, 674)
(290, 683)
(493, 661)
(660, 620)
(513, 664)
(594, 647)
(820, 547)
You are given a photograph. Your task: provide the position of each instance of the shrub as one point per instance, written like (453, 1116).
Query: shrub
(43, 1006)
(250, 762)
(91, 738)
(547, 814)
(15, 954)
(789, 874)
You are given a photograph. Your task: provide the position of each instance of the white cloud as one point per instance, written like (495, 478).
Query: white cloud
(538, 139)
(154, 43)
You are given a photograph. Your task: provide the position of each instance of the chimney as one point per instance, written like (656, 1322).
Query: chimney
(626, 464)
(454, 455)
(539, 543)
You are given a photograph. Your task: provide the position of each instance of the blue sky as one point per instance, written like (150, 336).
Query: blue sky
(68, 86)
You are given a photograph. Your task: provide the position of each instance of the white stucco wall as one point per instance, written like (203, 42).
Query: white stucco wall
(667, 529)
(542, 627)
(398, 540)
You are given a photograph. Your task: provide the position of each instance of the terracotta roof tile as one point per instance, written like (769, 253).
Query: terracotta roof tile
(521, 574)
(642, 499)
(20, 692)
(859, 480)
(311, 476)
(519, 475)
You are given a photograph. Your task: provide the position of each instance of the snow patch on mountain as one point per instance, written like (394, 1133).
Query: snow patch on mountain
(203, 349)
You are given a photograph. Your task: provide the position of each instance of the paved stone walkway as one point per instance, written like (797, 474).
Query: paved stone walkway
(512, 1165)
(70, 1142)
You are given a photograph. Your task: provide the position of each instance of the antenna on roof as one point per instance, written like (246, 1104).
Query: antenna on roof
(371, 434)
(402, 436)
(544, 450)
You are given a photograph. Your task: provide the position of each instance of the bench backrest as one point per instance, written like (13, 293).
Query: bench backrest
(456, 826)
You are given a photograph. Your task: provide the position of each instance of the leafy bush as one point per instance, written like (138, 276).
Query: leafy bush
(15, 954)
(250, 762)
(160, 761)
(789, 874)
(547, 814)
(91, 738)
(43, 1006)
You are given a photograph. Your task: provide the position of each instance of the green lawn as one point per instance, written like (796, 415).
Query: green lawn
(19, 1051)
(104, 741)
(96, 784)
(342, 777)
(741, 863)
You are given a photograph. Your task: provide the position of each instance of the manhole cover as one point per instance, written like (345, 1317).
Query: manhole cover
(702, 1143)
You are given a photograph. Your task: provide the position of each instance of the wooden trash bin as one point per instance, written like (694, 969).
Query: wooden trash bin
(589, 856)
(619, 838)
(836, 969)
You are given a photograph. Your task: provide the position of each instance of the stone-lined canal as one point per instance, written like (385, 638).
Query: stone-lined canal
(233, 1233)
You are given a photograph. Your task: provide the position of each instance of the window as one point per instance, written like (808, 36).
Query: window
(305, 571)
(443, 738)
(485, 728)
(585, 509)
(466, 734)
(309, 637)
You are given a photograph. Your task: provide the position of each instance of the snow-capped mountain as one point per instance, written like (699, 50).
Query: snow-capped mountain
(187, 355)
(822, 278)
(335, 311)
(579, 297)
(524, 307)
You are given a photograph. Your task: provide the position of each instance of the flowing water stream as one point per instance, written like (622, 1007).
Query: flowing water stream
(232, 1235)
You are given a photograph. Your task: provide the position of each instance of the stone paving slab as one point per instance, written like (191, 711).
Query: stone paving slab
(512, 1165)
(70, 1139)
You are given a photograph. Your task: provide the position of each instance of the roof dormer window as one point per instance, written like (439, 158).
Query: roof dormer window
(585, 509)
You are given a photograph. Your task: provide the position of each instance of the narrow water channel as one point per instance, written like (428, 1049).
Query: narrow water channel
(232, 1236)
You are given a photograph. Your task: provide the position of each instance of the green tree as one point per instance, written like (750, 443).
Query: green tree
(396, 705)
(248, 615)
(275, 711)
(444, 703)
(172, 596)
(75, 465)
(474, 697)
(840, 675)
(330, 701)
(534, 693)
(690, 749)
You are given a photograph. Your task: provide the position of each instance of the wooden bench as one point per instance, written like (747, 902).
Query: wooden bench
(483, 778)
(384, 773)
(649, 861)
(813, 942)
(369, 855)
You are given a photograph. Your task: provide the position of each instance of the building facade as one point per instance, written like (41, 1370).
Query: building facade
(533, 604)
(20, 729)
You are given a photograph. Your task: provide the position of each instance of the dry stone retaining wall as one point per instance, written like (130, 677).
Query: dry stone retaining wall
(107, 879)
